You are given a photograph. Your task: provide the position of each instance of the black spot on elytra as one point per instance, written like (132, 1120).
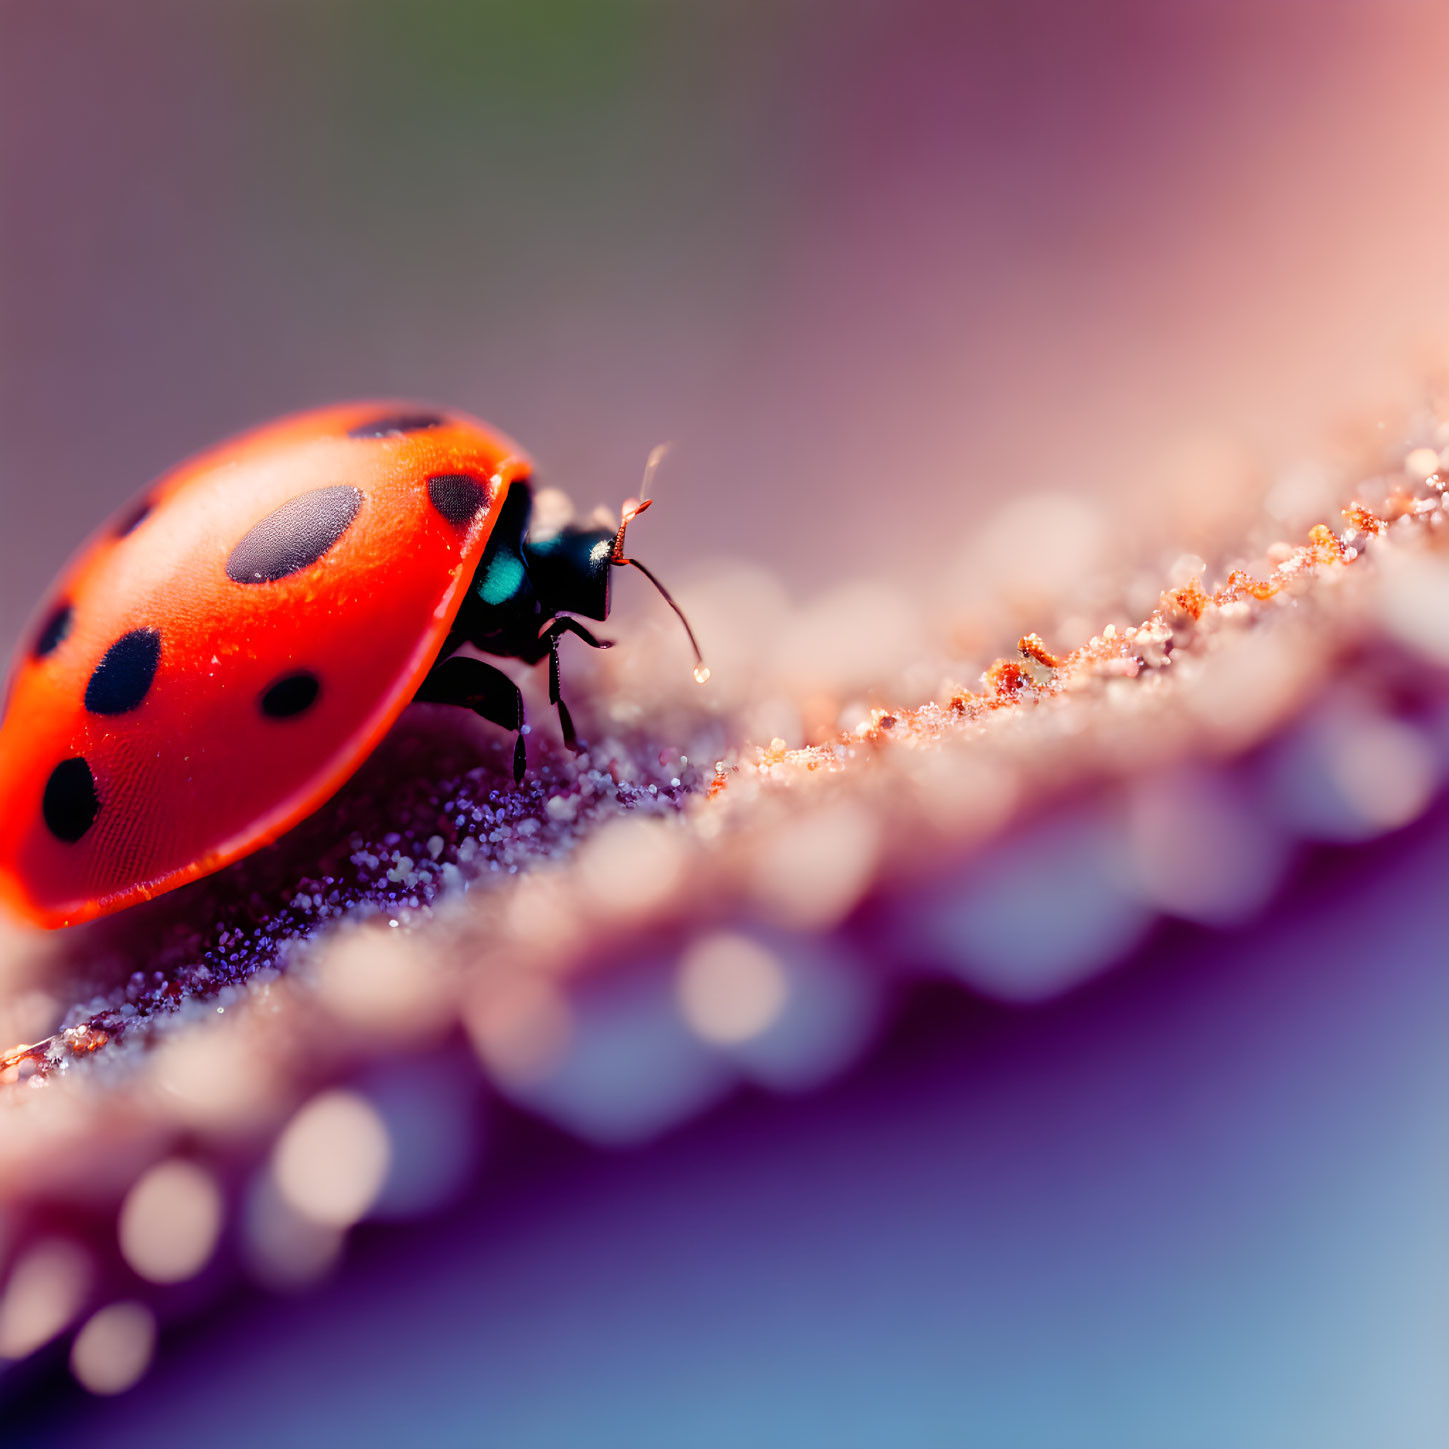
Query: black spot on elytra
(396, 425)
(290, 695)
(70, 802)
(53, 631)
(124, 674)
(457, 496)
(134, 519)
(294, 536)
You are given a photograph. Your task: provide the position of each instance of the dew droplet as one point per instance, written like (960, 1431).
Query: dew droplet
(701, 673)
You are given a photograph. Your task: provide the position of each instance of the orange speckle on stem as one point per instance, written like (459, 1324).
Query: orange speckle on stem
(1240, 581)
(85, 1039)
(1325, 545)
(1033, 646)
(1191, 599)
(1006, 678)
(1361, 518)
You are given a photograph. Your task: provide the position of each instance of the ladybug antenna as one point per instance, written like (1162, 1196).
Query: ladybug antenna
(633, 507)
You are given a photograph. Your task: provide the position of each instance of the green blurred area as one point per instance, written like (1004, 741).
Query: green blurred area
(588, 145)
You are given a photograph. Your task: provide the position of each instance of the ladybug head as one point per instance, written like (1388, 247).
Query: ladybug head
(572, 567)
(570, 570)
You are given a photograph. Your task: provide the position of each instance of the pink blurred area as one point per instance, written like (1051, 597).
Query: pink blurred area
(873, 268)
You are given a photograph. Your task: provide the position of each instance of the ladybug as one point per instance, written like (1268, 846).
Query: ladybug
(220, 659)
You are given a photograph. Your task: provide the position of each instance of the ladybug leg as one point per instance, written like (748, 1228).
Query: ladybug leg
(550, 635)
(565, 719)
(563, 624)
(488, 692)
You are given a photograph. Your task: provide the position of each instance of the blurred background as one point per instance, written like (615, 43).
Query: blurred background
(870, 266)
(876, 268)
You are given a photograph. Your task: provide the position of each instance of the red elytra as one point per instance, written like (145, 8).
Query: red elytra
(217, 662)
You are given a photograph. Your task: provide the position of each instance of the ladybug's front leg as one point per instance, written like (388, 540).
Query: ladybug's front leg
(550, 635)
(565, 719)
(488, 692)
